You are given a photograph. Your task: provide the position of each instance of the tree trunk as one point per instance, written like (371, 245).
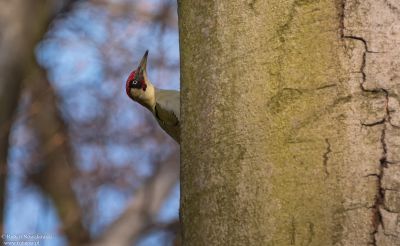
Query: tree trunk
(22, 23)
(289, 122)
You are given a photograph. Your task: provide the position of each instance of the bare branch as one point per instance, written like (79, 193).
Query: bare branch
(140, 213)
(18, 37)
(56, 172)
(53, 164)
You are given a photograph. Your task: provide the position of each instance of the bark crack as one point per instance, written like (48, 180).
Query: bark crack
(326, 157)
(379, 197)
(311, 233)
(293, 232)
(377, 219)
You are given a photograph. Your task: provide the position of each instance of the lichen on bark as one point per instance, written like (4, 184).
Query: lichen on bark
(284, 129)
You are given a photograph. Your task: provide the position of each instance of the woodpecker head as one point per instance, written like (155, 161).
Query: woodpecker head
(138, 87)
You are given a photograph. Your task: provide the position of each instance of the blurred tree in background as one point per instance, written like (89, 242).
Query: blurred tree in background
(78, 160)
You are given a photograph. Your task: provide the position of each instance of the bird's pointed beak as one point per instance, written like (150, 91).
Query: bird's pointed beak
(143, 64)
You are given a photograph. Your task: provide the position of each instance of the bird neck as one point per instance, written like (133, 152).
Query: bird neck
(148, 99)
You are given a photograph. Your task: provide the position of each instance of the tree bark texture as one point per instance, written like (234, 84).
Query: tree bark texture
(290, 120)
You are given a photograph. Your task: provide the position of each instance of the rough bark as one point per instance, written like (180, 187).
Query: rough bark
(289, 122)
(372, 28)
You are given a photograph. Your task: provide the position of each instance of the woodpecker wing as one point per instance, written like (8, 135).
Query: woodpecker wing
(167, 112)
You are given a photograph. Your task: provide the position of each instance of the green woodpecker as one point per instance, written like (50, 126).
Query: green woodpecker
(163, 104)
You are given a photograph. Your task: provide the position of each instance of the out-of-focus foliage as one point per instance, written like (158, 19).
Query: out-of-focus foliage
(88, 52)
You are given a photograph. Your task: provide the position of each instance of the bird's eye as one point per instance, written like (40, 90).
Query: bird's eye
(134, 82)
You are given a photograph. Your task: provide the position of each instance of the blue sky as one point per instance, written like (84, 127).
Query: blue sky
(71, 55)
